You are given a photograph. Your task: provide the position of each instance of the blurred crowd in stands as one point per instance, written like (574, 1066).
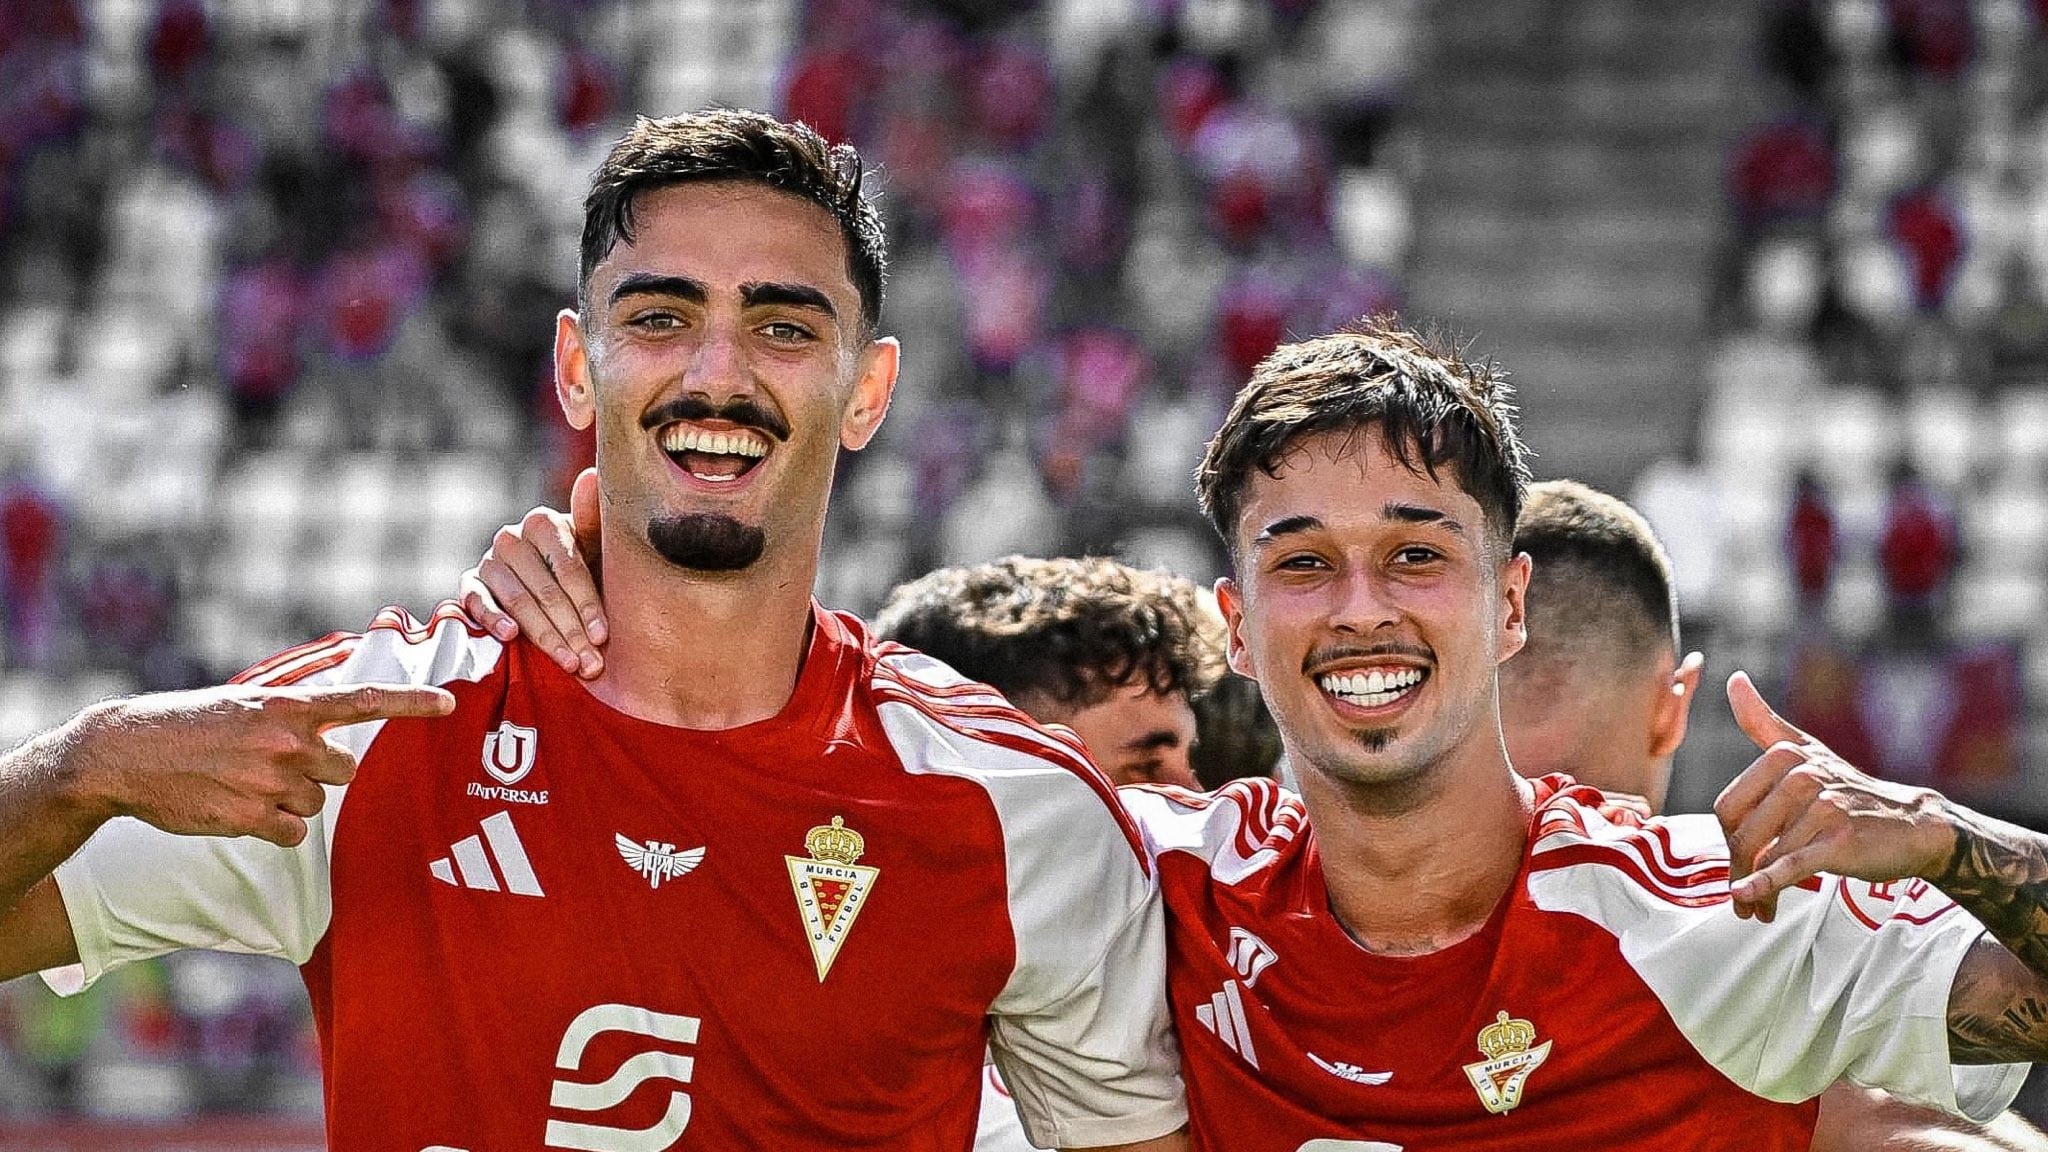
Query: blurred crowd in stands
(1874, 434)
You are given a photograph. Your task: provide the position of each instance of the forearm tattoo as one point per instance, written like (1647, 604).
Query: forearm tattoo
(1998, 1010)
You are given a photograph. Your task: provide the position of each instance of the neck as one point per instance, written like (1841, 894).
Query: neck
(1419, 865)
(701, 650)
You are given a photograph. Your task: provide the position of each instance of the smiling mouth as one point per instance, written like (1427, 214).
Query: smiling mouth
(1373, 687)
(719, 456)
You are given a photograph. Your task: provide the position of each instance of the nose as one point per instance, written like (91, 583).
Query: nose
(1361, 602)
(718, 366)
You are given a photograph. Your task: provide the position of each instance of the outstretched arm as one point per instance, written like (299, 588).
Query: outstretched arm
(234, 761)
(1799, 809)
(535, 580)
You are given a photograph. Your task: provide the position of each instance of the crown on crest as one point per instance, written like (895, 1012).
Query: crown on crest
(842, 845)
(1505, 1036)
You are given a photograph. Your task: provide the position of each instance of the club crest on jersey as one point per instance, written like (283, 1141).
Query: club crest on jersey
(1511, 1054)
(830, 888)
(508, 752)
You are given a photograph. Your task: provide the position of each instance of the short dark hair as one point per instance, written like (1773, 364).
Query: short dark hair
(1433, 407)
(1601, 578)
(721, 144)
(1062, 631)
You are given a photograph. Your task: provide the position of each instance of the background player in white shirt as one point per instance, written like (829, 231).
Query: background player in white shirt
(1600, 692)
(725, 348)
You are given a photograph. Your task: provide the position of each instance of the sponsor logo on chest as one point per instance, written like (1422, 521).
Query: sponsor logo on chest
(508, 759)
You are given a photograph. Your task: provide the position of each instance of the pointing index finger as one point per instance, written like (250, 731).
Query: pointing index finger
(333, 707)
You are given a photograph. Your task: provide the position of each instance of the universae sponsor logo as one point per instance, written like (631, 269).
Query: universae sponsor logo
(503, 795)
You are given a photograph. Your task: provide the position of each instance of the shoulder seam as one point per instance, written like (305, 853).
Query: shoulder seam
(1046, 746)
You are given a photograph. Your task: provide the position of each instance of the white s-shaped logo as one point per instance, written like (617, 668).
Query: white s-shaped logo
(637, 1070)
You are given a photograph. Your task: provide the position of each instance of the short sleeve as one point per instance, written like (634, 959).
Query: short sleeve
(1096, 1063)
(134, 892)
(1081, 1030)
(1850, 981)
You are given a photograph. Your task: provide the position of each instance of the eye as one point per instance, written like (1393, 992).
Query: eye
(656, 321)
(1146, 772)
(1417, 554)
(788, 332)
(1301, 562)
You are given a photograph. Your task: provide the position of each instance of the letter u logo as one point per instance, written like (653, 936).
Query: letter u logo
(508, 752)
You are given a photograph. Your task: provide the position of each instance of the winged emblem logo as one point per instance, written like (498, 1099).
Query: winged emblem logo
(658, 861)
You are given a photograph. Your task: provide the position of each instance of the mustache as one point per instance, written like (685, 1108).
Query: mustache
(1331, 653)
(741, 410)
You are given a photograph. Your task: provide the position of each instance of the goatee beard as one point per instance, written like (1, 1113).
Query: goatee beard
(706, 542)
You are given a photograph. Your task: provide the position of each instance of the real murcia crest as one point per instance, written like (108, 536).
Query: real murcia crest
(1511, 1054)
(508, 752)
(658, 861)
(830, 888)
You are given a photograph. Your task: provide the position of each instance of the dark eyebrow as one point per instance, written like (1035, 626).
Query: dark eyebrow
(1163, 738)
(652, 284)
(1422, 514)
(795, 295)
(1286, 526)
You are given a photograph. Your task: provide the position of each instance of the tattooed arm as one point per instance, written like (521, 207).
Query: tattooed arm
(1998, 1010)
(1799, 809)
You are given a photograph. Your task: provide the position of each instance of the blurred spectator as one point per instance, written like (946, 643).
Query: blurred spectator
(1782, 171)
(1811, 540)
(31, 542)
(1931, 38)
(1917, 547)
(1930, 238)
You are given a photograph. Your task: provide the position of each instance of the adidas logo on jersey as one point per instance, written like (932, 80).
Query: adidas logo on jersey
(1224, 1015)
(470, 859)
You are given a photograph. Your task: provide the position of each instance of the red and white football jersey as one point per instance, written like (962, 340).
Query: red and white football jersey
(539, 922)
(1613, 1001)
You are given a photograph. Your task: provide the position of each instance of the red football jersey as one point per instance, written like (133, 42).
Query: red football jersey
(1612, 1001)
(542, 923)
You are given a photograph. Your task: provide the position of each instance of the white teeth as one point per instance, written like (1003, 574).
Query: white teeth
(684, 438)
(1371, 689)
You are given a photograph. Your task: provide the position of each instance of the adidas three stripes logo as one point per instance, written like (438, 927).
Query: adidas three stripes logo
(469, 862)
